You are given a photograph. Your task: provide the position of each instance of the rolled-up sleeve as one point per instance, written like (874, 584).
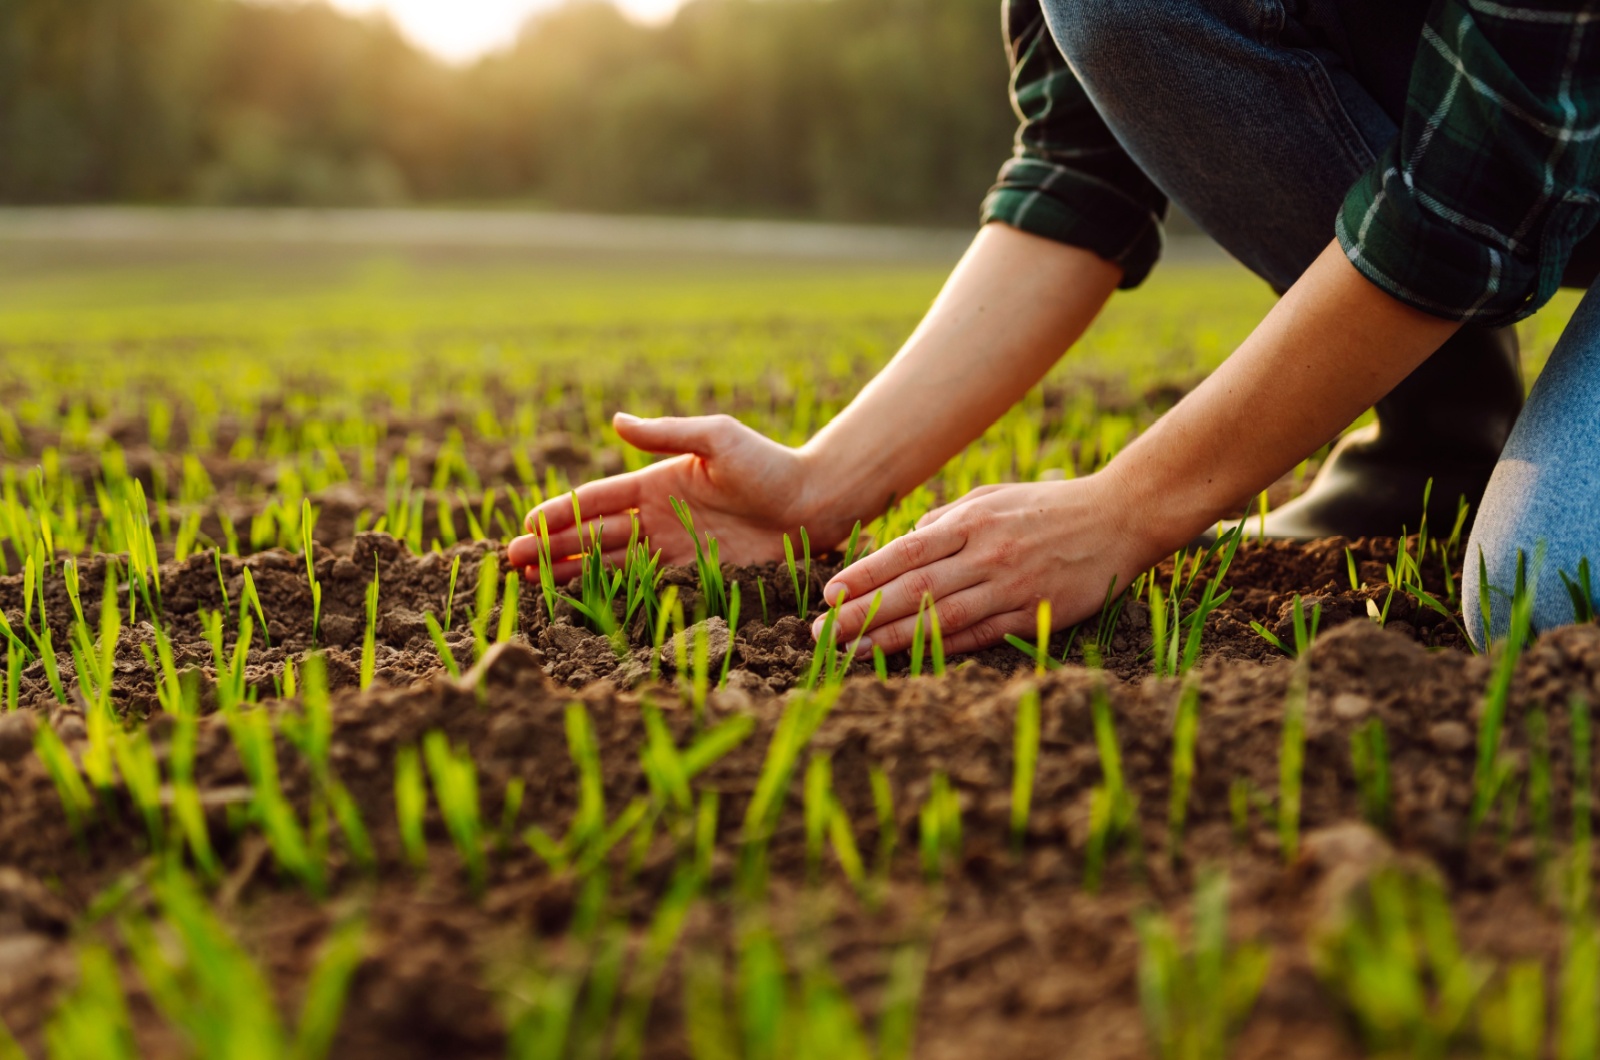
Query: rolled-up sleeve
(1473, 212)
(1068, 179)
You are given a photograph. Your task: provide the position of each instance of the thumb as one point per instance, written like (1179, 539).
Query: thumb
(701, 435)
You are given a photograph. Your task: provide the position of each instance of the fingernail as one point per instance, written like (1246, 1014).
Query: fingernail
(816, 628)
(625, 417)
(832, 593)
(864, 647)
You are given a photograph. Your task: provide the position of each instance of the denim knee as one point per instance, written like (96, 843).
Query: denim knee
(1130, 40)
(1543, 501)
(1110, 38)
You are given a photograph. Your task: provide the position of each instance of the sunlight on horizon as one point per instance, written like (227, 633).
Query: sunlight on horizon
(463, 30)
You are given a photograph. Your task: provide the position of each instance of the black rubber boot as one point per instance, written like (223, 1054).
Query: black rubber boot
(1447, 421)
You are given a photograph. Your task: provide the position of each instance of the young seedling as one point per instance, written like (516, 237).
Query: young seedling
(455, 786)
(1489, 772)
(547, 579)
(917, 639)
(446, 656)
(187, 810)
(800, 577)
(308, 546)
(369, 639)
(1110, 614)
(1291, 760)
(801, 718)
(450, 593)
(939, 828)
(1195, 1002)
(411, 804)
(483, 604)
(508, 608)
(670, 613)
(249, 598)
(1512, 1015)
(13, 676)
(888, 827)
(1026, 741)
(1394, 961)
(510, 810)
(712, 589)
(141, 776)
(666, 927)
(1185, 733)
(254, 742)
(852, 544)
(1304, 631)
(1578, 1011)
(92, 1019)
(1485, 602)
(818, 791)
(1112, 809)
(589, 838)
(208, 988)
(1581, 592)
(76, 801)
(733, 631)
(1369, 761)
(1026, 754)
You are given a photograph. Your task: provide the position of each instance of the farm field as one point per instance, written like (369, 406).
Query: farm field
(291, 765)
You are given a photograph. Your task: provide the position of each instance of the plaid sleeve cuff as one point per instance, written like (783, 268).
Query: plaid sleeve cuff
(1073, 207)
(1439, 264)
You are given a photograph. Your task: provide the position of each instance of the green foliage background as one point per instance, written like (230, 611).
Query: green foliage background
(853, 109)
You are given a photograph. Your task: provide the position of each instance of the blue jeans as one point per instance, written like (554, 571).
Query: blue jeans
(1255, 117)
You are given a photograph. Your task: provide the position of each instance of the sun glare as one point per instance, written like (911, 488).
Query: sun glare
(461, 30)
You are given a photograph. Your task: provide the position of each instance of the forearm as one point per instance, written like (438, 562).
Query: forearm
(1332, 346)
(1012, 306)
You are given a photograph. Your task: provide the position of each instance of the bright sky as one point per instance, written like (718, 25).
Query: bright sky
(461, 30)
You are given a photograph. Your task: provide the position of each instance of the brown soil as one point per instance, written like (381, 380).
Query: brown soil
(1026, 961)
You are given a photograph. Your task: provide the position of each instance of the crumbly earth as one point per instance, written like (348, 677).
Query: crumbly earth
(1026, 960)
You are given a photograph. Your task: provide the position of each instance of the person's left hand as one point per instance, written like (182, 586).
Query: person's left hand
(987, 560)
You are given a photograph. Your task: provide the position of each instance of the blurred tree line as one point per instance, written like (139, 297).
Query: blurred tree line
(885, 109)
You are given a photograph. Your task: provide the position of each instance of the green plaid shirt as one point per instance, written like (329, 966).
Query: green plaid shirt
(1472, 213)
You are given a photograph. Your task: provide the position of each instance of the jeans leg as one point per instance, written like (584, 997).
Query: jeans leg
(1545, 491)
(1247, 117)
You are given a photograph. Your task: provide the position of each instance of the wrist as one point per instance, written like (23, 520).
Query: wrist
(831, 497)
(1149, 514)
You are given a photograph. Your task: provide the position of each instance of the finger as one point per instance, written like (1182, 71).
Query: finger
(957, 611)
(903, 596)
(523, 551)
(564, 570)
(945, 509)
(871, 573)
(604, 498)
(614, 534)
(700, 435)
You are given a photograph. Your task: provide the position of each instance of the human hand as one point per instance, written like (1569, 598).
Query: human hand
(742, 488)
(987, 560)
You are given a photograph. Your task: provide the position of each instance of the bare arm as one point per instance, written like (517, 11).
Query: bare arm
(1331, 347)
(1012, 306)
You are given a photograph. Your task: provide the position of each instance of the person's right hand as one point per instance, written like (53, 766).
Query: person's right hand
(742, 488)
